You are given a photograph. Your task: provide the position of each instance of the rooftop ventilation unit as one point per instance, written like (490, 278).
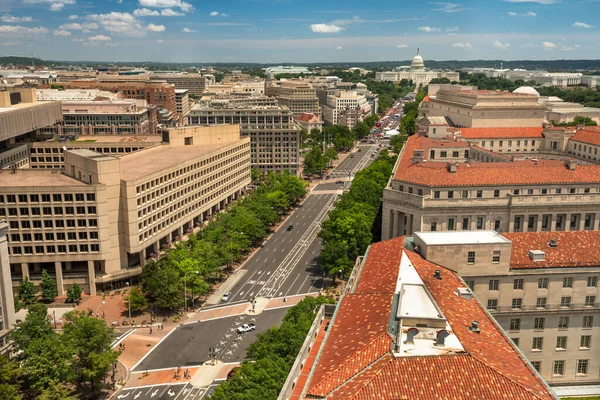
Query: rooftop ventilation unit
(464, 292)
(451, 166)
(552, 243)
(474, 327)
(437, 274)
(537, 255)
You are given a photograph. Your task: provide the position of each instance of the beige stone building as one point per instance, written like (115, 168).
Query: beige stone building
(542, 288)
(505, 179)
(195, 84)
(274, 135)
(299, 96)
(7, 307)
(97, 220)
(346, 107)
(182, 101)
(416, 73)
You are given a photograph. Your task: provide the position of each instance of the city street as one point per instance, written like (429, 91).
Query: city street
(179, 391)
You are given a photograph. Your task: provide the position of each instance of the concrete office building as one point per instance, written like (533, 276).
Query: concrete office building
(182, 102)
(274, 135)
(309, 121)
(542, 288)
(505, 179)
(103, 117)
(298, 96)
(407, 327)
(21, 119)
(7, 307)
(195, 84)
(346, 108)
(96, 221)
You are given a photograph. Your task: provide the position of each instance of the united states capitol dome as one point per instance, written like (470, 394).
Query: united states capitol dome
(417, 62)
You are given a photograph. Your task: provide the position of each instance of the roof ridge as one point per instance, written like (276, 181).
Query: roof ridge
(356, 354)
(506, 377)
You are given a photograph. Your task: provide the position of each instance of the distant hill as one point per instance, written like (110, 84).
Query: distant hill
(19, 60)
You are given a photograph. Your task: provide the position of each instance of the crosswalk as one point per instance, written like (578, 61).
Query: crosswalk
(177, 391)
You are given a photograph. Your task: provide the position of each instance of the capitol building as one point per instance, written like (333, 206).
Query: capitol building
(415, 73)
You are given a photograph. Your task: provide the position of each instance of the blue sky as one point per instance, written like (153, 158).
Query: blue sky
(299, 30)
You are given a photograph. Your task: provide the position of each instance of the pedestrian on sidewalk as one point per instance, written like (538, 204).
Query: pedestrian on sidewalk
(151, 330)
(162, 327)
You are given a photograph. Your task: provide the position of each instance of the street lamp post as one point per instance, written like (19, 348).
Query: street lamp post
(129, 303)
(341, 282)
(185, 289)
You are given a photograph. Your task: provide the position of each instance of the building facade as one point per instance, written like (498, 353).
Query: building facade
(274, 136)
(182, 101)
(195, 84)
(417, 73)
(7, 306)
(96, 221)
(300, 97)
(346, 108)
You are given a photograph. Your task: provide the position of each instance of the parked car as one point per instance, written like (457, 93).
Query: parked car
(246, 328)
(290, 227)
(226, 296)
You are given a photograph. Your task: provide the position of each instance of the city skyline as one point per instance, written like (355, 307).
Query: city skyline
(273, 31)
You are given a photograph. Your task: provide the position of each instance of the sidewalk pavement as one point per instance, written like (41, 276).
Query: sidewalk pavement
(158, 377)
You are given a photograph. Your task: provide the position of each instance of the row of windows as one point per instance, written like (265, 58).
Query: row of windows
(558, 367)
(51, 223)
(542, 302)
(561, 343)
(51, 236)
(465, 194)
(539, 323)
(47, 198)
(24, 211)
(52, 249)
(567, 282)
(510, 143)
(105, 150)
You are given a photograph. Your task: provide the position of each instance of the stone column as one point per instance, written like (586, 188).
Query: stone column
(552, 222)
(60, 287)
(409, 224)
(511, 223)
(581, 222)
(568, 222)
(142, 258)
(92, 278)
(595, 225)
(540, 217)
(391, 223)
(25, 270)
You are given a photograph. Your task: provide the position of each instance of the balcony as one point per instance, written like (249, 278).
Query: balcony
(548, 308)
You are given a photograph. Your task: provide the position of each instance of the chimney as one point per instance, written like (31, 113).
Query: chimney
(474, 327)
(571, 165)
(441, 338)
(537, 255)
(418, 156)
(451, 166)
(437, 274)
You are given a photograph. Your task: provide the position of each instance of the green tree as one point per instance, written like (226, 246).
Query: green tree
(330, 155)
(27, 292)
(578, 121)
(90, 339)
(137, 299)
(361, 129)
(10, 379)
(74, 293)
(278, 200)
(48, 286)
(162, 284)
(35, 325)
(314, 161)
(371, 120)
(59, 391)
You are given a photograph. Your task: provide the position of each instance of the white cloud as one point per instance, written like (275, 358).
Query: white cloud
(465, 45)
(549, 46)
(453, 29)
(145, 12)
(401, 46)
(527, 14)
(57, 6)
(78, 40)
(72, 17)
(428, 29)
(155, 28)
(582, 25)
(99, 38)
(214, 14)
(12, 19)
(188, 30)
(533, 1)
(119, 22)
(324, 28)
(167, 12)
(182, 5)
(74, 26)
(569, 48)
(339, 48)
(159, 41)
(18, 29)
(501, 45)
(529, 45)
(448, 7)
(61, 32)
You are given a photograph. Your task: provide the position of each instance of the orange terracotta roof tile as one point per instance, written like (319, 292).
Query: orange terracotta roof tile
(502, 133)
(307, 117)
(575, 249)
(435, 174)
(356, 362)
(587, 135)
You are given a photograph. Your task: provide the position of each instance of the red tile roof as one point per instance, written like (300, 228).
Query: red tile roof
(502, 133)
(356, 362)
(575, 249)
(542, 172)
(425, 99)
(588, 135)
(307, 117)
